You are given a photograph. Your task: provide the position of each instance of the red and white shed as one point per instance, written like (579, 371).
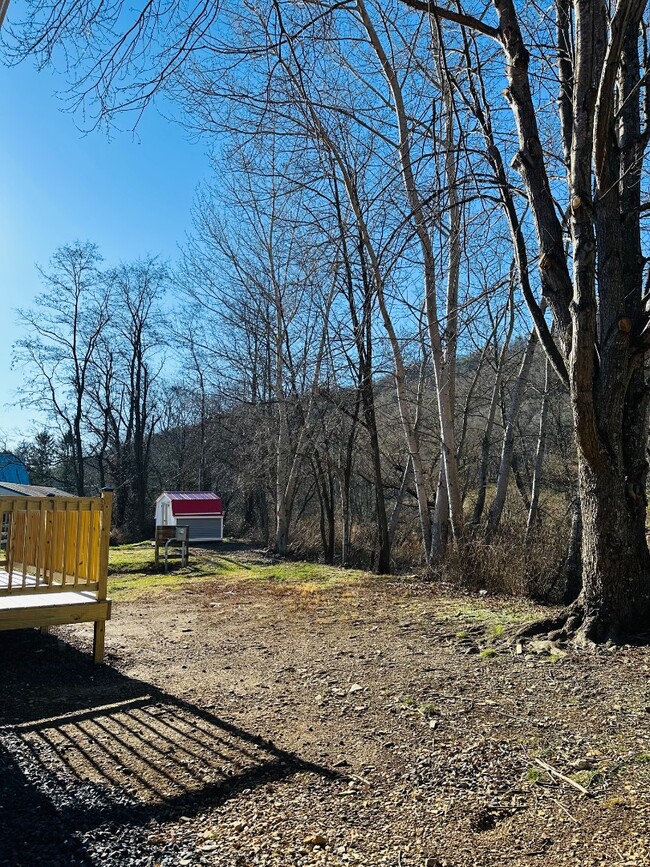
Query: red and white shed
(201, 511)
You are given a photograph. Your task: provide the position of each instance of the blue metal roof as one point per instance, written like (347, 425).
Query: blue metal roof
(12, 469)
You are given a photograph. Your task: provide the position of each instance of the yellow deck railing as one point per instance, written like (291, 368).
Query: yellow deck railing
(50, 544)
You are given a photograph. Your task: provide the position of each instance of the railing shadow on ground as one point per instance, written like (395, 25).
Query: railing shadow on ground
(83, 746)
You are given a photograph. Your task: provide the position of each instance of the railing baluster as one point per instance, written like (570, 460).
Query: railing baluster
(24, 551)
(38, 542)
(66, 522)
(91, 539)
(10, 549)
(50, 543)
(44, 555)
(77, 548)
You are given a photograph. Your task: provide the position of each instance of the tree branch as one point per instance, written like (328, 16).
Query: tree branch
(628, 12)
(4, 5)
(457, 17)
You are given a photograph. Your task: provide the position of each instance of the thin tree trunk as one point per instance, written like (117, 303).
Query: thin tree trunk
(399, 501)
(403, 400)
(442, 368)
(363, 332)
(345, 482)
(533, 511)
(441, 527)
(572, 569)
(486, 441)
(325, 491)
(520, 482)
(505, 464)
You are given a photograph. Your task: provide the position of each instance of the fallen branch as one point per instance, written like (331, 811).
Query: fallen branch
(360, 780)
(562, 777)
(561, 806)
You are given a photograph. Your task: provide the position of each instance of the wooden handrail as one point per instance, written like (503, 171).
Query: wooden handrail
(56, 543)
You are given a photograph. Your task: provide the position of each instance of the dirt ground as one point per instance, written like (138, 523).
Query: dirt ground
(256, 722)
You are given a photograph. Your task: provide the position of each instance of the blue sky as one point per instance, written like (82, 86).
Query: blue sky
(131, 195)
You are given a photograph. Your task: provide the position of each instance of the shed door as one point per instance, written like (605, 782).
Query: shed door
(203, 529)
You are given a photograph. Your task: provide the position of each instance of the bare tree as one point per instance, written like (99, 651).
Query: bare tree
(591, 274)
(575, 212)
(124, 384)
(65, 329)
(272, 274)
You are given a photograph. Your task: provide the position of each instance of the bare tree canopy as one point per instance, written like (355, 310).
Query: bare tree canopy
(421, 145)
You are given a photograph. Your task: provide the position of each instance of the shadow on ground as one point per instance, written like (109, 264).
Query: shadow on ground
(87, 753)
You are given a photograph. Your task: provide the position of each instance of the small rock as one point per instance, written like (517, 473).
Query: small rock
(583, 765)
(209, 846)
(315, 840)
(541, 647)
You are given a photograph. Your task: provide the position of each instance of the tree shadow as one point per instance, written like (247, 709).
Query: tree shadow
(83, 748)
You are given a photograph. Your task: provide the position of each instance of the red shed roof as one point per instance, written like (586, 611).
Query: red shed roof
(194, 503)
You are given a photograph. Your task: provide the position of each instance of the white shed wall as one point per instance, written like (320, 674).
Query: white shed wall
(164, 516)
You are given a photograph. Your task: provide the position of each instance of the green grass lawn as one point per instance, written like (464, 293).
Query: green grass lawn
(132, 572)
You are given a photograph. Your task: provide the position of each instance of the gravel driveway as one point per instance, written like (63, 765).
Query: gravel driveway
(248, 723)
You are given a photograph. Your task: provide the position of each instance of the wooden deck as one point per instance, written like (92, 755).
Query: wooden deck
(54, 563)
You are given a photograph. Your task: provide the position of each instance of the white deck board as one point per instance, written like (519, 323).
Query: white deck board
(16, 580)
(38, 600)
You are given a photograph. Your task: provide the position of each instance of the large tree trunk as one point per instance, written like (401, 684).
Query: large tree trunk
(594, 288)
(609, 393)
(598, 309)
(615, 598)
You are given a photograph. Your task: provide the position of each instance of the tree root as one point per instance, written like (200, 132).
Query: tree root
(573, 624)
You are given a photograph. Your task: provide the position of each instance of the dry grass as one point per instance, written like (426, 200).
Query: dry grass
(132, 573)
(512, 564)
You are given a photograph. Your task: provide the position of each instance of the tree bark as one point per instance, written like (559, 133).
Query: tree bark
(615, 598)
